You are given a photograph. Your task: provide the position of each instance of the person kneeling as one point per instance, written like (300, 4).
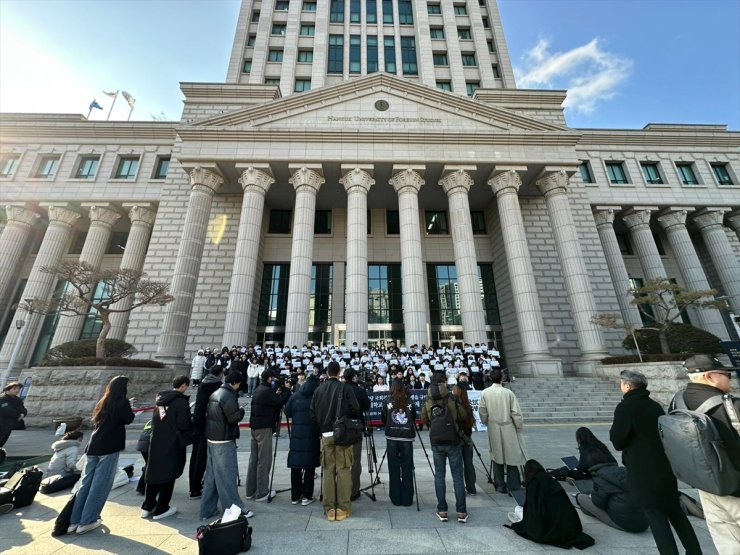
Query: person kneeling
(62, 471)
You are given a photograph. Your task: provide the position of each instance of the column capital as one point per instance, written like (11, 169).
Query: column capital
(407, 180)
(638, 216)
(604, 215)
(102, 215)
(456, 181)
(20, 215)
(204, 179)
(305, 177)
(552, 182)
(733, 220)
(256, 178)
(59, 213)
(672, 218)
(141, 213)
(709, 217)
(507, 181)
(357, 179)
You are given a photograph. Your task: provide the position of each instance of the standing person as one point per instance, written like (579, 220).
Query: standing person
(170, 436)
(199, 454)
(142, 446)
(266, 402)
(223, 415)
(649, 475)
(197, 367)
(253, 375)
(331, 400)
(351, 379)
(445, 417)
(305, 445)
(12, 410)
(461, 393)
(710, 379)
(110, 416)
(499, 410)
(400, 432)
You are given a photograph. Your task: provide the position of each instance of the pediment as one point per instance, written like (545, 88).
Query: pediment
(379, 102)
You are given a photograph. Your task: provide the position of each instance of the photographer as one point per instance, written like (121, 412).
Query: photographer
(351, 378)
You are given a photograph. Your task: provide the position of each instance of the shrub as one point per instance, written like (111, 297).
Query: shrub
(110, 361)
(682, 338)
(86, 348)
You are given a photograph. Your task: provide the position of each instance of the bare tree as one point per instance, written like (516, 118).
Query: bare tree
(612, 321)
(78, 297)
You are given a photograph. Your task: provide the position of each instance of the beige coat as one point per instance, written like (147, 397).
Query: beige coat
(499, 410)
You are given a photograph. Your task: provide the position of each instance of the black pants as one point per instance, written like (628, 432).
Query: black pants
(661, 521)
(5, 433)
(468, 468)
(158, 497)
(301, 483)
(400, 472)
(197, 468)
(141, 486)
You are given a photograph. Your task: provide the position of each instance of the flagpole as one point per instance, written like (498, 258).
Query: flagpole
(89, 112)
(111, 106)
(129, 113)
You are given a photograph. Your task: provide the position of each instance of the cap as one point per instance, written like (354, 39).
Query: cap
(704, 363)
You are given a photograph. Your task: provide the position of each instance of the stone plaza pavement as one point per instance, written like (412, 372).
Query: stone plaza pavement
(375, 528)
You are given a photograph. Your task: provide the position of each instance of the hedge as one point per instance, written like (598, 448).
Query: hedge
(114, 348)
(682, 338)
(110, 361)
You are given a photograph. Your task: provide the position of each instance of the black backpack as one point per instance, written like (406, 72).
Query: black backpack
(22, 488)
(442, 427)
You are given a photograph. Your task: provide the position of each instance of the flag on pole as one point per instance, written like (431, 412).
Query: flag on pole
(111, 94)
(94, 104)
(130, 99)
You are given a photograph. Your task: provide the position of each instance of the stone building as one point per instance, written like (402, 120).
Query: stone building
(410, 192)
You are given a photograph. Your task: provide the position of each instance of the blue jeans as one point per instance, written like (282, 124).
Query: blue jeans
(401, 472)
(441, 454)
(252, 384)
(95, 485)
(219, 484)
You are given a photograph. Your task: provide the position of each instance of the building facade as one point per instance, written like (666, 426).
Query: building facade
(368, 172)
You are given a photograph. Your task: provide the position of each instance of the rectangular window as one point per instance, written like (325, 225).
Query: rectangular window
(471, 86)
(336, 54)
(435, 222)
(437, 33)
(461, 10)
(354, 11)
(405, 13)
(372, 54)
(93, 324)
(309, 6)
(252, 40)
(163, 165)
(651, 173)
(371, 11)
(302, 85)
(387, 11)
(127, 167)
(478, 221)
(408, 56)
(486, 24)
(255, 16)
(275, 56)
(78, 242)
(686, 172)
(308, 30)
(488, 291)
(354, 53)
(444, 295)
(389, 48)
(464, 34)
(322, 222)
(273, 307)
(384, 302)
(88, 167)
(392, 226)
(280, 221)
(434, 9)
(585, 172)
(647, 315)
(278, 29)
(47, 167)
(496, 74)
(444, 85)
(269, 81)
(615, 172)
(305, 56)
(722, 174)
(625, 246)
(320, 296)
(9, 164)
(117, 242)
(247, 67)
(282, 5)
(336, 11)
(440, 59)
(490, 46)
(468, 60)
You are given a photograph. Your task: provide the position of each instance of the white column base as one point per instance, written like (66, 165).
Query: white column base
(584, 367)
(542, 367)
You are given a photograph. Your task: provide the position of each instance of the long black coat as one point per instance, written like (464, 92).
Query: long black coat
(166, 457)
(635, 432)
(305, 444)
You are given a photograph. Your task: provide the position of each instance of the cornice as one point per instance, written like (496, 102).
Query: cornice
(664, 138)
(31, 129)
(229, 92)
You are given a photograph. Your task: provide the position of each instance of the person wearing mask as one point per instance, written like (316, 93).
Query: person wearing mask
(199, 454)
(466, 436)
(399, 415)
(351, 378)
(305, 443)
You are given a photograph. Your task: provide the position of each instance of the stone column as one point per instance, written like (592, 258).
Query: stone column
(40, 284)
(537, 359)
(13, 243)
(142, 219)
(725, 261)
(307, 182)
(673, 222)
(554, 186)
(357, 182)
(604, 218)
(407, 182)
(255, 181)
(204, 182)
(102, 219)
(733, 222)
(456, 184)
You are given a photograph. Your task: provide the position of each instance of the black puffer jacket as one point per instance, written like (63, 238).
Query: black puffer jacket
(223, 414)
(305, 445)
(207, 386)
(171, 420)
(325, 400)
(611, 494)
(266, 405)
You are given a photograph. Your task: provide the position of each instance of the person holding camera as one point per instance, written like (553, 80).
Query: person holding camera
(351, 378)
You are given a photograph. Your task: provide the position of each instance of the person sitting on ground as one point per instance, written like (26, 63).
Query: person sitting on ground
(62, 472)
(549, 516)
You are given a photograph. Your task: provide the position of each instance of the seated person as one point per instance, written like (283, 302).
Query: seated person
(62, 472)
(549, 517)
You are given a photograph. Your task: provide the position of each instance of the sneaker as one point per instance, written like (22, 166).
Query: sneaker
(7, 507)
(247, 513)
(295, 501)
(169, 512)
(341, 515)
(196, 495)
(72, 528)
(472, 493)
(513, 518)
(145, 513)
(442, 516)
(462, 517)
(306, 501)
(85, 528)
(330, 515)
(250, 497)
(267, 497)
(355, 497)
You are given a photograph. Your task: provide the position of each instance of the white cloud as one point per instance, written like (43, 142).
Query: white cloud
(589, 73)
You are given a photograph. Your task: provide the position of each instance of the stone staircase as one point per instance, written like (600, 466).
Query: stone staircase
(560, 400)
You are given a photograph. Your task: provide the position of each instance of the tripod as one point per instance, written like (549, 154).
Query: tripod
(426, 454)
(372, 463)
(485, 468)
(274, 456)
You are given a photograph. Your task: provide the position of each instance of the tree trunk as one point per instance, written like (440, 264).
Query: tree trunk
(100, 345)
(664, 347)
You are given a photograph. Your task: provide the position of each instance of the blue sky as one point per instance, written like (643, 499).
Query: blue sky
(625, 62)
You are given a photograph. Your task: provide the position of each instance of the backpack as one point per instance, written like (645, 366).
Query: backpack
(442, 427)
(22, 488)
(694, 447)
